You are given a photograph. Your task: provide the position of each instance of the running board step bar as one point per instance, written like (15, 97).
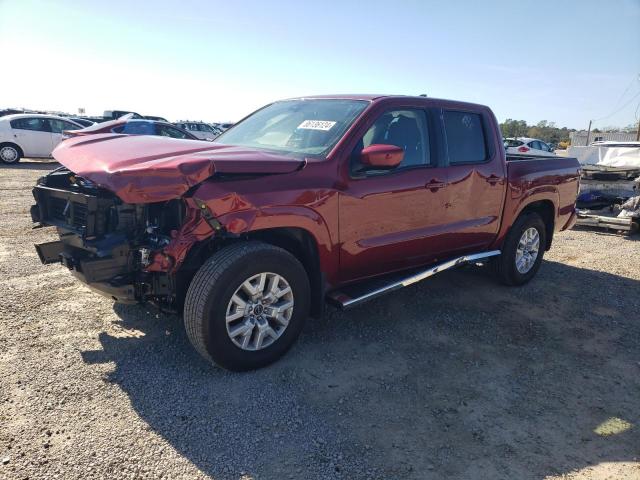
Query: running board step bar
(346, 298)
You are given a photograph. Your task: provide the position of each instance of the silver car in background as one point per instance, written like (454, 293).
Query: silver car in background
(528, 146)
(31, 135)
(202, 130)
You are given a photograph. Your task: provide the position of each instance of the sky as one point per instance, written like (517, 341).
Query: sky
(564, 61)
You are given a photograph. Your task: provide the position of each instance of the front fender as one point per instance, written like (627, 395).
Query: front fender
(302, 217)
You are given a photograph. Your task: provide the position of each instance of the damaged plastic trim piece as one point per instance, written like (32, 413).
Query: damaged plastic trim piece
(195, 228)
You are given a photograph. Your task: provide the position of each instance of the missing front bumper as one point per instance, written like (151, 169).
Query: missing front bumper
(97, 274)
(50, 252)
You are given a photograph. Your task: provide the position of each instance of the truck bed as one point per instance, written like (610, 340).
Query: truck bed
(550, 181)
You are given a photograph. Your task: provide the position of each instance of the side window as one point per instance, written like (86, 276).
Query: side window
(407, 129)
(135, 128)
(465, 137)
(35, 124)
(536, 145)
(57, 126)
(166, 131)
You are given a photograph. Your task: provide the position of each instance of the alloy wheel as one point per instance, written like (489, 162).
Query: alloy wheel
(527, 251)
(259, 311)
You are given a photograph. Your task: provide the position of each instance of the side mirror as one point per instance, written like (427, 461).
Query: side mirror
(381, 156)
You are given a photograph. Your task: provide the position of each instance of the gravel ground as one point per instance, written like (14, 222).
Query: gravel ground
(454, 378)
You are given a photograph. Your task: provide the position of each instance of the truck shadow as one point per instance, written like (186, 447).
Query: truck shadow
(456, 377)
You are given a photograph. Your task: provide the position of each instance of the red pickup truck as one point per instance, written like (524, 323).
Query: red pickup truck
(338, 198)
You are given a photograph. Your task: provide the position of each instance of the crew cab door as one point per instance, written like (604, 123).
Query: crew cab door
(389, 220)
(477, 180)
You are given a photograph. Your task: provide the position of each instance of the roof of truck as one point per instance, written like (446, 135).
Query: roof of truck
(372, 97)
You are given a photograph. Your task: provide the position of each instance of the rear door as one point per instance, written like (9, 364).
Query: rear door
(33, 135)
(537, 147)
(545, 149)
(477, 180)
(390, 220)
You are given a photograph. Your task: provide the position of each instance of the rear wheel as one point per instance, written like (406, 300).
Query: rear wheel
(247, 305)
(522, 250)
(10, 153)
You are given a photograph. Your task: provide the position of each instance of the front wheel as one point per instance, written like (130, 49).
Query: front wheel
(247, 305)
(522, 250)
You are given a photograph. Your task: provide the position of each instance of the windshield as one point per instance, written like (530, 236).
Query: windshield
(310, 127)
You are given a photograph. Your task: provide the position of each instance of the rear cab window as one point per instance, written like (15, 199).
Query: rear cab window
(466, 137)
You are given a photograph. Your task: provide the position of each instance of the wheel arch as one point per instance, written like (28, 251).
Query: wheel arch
(301, 244)
(296, 240)
(547, 211)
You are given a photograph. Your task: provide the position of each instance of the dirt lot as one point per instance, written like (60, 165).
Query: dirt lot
(453, 378)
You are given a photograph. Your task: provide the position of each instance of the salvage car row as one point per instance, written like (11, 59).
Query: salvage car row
(36, 135)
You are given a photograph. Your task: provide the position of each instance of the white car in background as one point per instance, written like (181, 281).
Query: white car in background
(528, 146)
(202, 130)
(31, 135)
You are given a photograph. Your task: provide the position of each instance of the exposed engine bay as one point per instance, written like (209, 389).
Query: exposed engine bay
(109, 244)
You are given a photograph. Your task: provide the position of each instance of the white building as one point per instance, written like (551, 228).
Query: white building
(579, 139)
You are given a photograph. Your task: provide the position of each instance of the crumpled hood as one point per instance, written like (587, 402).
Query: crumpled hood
(146, 169)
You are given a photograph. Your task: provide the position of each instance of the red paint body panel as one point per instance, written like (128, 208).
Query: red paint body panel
(555, 180)
(146, 169)
(363, 226)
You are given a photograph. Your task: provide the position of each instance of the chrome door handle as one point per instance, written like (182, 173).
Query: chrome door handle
(434, 185)
(492, 179)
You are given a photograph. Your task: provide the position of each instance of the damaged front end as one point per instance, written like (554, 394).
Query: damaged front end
(129, 252)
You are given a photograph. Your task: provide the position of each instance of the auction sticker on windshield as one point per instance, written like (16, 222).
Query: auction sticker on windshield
(324, 125)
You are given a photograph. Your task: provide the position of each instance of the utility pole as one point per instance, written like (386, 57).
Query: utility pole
(638, 132)
(589, 132)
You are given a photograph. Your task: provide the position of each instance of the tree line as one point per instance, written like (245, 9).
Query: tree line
(548, 131)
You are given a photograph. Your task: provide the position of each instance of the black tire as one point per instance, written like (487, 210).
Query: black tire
(211, 290)
(17, 153)
(504, 266)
